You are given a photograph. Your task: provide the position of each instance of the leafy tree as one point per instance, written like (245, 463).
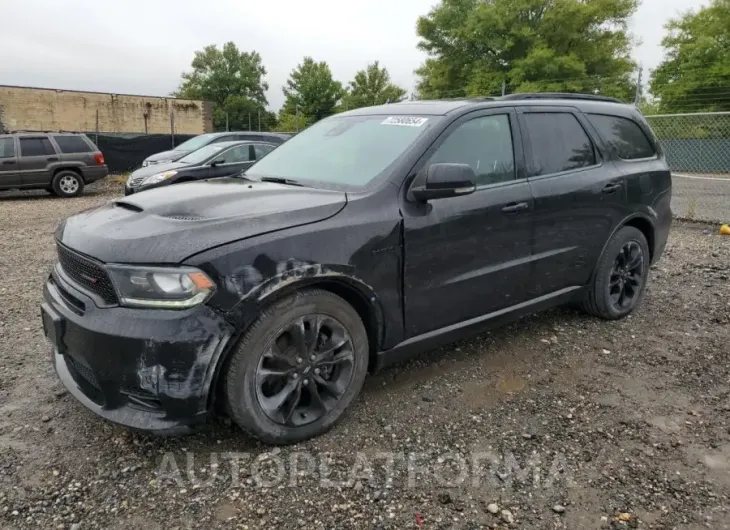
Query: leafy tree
(695, 76)
(372, 86)
(311, 91)
(233, 81)
(531, 45)
(292, 122)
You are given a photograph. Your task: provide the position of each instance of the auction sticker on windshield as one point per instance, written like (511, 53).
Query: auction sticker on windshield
(404, 121)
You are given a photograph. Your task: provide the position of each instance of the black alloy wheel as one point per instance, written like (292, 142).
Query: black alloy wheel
(297, 368)
(620, 276)
(627, 276)
(305, 370)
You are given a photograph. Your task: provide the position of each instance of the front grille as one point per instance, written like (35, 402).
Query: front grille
(87, 273)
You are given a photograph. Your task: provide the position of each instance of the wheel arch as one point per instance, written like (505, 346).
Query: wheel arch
(641, 222)
(72, 169)
(354, 291)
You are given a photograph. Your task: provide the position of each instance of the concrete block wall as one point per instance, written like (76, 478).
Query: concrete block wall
(41, 109)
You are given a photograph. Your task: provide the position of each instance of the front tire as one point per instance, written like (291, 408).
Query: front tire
(621, 276)
(67, 184)
(298, 368)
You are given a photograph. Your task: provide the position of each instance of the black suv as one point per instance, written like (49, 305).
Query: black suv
(61, 163)
(370, 236)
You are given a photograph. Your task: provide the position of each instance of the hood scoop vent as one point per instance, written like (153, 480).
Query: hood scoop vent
(183, 216)
(128, 206)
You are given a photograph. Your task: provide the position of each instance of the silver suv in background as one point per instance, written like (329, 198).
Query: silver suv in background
(61, 163)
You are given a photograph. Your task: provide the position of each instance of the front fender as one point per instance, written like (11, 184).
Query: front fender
(258, 291)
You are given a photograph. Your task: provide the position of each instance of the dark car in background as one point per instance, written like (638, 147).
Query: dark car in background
(61, 163)
(370, 236)
(222, 159)
(205, 139)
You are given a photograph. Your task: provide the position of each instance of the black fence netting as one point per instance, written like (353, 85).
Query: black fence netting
(125, 152)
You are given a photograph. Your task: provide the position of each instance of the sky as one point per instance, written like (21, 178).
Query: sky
(142, 46)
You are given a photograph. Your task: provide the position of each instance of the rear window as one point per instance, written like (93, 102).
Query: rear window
(623, 136)
(558, 142)
(36, 147)
(72, 144)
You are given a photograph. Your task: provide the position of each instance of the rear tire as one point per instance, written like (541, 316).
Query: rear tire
(298, 368)
(620, 277)
(67, 183)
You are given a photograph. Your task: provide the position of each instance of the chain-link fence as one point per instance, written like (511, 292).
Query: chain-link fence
(697, 147)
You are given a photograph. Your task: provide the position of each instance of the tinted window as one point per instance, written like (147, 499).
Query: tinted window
(196, 143)
(241, 153)
(559, 142)
(201, 155)
(344, 151)
(36, 147)
(262, 149)
(623, 136)
(72, 144)
(483, 143)
(7, 147)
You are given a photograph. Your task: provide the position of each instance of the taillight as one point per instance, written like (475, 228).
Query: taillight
(99, 159)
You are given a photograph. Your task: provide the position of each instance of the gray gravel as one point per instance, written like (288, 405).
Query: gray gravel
(560, 421)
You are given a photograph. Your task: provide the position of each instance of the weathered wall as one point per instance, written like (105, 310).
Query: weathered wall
(40, 109)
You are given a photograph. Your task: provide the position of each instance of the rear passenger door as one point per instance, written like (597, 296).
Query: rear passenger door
(9, 174)
(579, 197)
(36, 155)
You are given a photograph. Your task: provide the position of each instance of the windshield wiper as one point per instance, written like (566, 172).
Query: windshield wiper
(281, 180)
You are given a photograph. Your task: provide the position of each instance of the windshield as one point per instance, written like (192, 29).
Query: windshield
(347, 151)
(201, 155)
(195, 143)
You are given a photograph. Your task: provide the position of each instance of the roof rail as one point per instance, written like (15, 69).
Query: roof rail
(560, 95)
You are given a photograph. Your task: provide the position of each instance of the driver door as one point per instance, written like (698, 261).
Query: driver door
(469, 256)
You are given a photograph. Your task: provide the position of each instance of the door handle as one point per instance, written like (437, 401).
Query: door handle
(610, 188)
(8, 161)
(515, 207)
(52, 159)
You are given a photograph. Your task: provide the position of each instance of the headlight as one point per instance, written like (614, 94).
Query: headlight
(160, 287)
(158, 177)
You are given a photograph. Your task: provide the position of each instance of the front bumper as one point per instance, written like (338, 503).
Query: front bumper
(145, 369)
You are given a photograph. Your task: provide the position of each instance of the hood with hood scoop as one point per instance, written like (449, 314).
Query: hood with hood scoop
(167, 225)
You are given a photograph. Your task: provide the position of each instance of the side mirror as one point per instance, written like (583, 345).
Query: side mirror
(446, 180)
(217, 162)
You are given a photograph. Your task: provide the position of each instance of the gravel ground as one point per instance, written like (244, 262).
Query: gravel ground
(556, 421)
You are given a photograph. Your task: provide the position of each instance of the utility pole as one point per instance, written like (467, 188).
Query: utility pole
(259, 119)
(249, 121)
(504, 86)
(637, 96)
(226, 122)
(297, 118)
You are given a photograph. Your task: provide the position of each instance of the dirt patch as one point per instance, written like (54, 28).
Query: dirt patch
(561, 420)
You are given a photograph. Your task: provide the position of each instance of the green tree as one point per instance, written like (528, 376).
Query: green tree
(291, 122)
(695, 76)
(234, 81)
(311, 91)
(531, 45)
(372, 86)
